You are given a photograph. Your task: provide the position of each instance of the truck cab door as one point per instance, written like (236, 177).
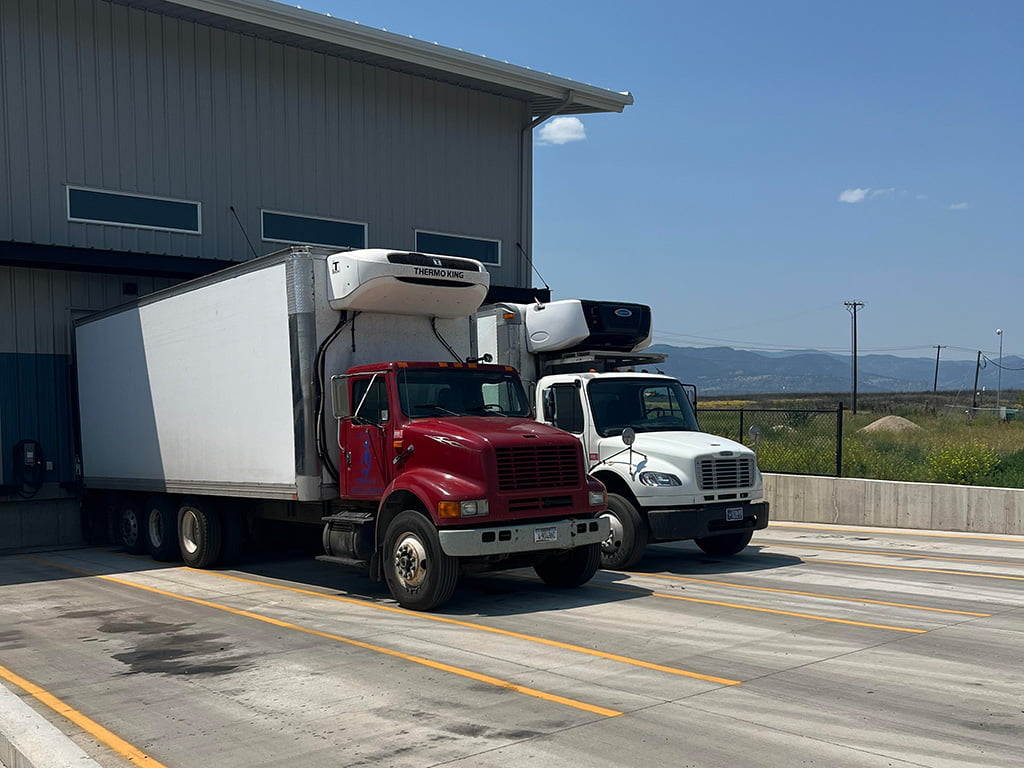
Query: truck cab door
(563, 407)
(366, 466)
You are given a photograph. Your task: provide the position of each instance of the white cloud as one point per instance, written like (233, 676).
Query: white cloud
(883, 192)
(561, 130)
(957, 206)
(853, 195)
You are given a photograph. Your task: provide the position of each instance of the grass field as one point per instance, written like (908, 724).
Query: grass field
(950, 446)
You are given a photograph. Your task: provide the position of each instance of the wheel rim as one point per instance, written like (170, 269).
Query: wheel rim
(613, 543)
(129, 527)
(410, 561)
(190, 531)
(156, 528)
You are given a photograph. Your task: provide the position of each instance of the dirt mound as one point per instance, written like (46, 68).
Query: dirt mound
(889, 424)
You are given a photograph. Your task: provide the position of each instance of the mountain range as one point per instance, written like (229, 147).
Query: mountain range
(727, 371)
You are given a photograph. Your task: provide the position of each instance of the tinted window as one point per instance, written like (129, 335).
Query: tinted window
(308, 230)
(132, 210)
(487, 251)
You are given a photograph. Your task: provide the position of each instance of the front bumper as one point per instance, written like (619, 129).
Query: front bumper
(711, 520)
(533, 537)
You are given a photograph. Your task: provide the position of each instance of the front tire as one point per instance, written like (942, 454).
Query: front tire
(419, 574)
(570, 569)
(199, 532)
(726, 544)
(627, 539)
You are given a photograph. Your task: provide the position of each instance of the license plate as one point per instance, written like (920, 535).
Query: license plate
(550, 533)
(734, 513)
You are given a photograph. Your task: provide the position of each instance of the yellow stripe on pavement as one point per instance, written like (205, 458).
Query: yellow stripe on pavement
(497, 682)
(90, 726)
(484, 628)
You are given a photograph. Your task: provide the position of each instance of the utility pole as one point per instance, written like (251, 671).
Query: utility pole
(853, 307)
(935, 385)
(977, 370)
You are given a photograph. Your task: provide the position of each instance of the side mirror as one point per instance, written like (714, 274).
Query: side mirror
(629, 436)
(549, 405)
(339, 397)
(755, 436)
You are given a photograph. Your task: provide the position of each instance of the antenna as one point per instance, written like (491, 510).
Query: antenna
(235, 214)
(530, 262)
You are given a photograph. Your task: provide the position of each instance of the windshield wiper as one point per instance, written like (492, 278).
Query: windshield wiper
(488, 409)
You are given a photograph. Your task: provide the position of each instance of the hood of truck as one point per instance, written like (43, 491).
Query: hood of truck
(673, 453)
(475, 432)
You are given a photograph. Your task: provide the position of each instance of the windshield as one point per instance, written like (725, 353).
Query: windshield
(644, 405)
(424, 392)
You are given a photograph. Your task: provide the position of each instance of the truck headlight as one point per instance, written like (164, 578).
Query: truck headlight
(659, 479)
(598, 498)
(474, 508)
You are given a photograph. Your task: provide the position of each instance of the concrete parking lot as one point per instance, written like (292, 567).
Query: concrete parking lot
(820, 645)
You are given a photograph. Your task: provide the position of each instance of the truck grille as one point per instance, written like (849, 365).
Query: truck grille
(538, 503)
(552, 466)
(713, 474)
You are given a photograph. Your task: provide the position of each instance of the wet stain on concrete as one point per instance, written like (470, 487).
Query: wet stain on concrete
(11, 640)
(162, 648)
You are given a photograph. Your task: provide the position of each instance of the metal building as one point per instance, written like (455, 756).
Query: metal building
(143, 142)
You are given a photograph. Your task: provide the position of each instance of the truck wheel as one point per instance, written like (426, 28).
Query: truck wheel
(419, 575)
(570, 569)
(199, 532)
(627, 539)
(161, 529)
(129, 525)
(726, 544)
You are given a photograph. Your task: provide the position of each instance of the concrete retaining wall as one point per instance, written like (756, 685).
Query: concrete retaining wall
(851, 501)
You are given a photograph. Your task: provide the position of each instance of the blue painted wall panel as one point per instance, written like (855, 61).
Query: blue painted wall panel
(35, 404)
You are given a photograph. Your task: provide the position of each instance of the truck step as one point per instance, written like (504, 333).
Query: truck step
(357, 516)
(348, 562)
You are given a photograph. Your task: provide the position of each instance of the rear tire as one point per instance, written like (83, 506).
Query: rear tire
(726, 544)
(419, 574)
(199, 532)
(161, 528)
(627, 539)
(130, 526)
(570, 569)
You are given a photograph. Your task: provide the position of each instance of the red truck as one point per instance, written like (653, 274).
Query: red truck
(337, 390)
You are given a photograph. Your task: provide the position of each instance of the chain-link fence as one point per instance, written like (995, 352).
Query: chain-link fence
(799, 442)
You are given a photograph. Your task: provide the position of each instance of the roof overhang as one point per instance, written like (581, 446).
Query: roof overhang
(545, 94)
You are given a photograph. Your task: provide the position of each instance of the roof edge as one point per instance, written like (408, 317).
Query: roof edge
(350, 34)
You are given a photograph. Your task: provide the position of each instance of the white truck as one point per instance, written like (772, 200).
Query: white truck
(666, 480)
(330, 389)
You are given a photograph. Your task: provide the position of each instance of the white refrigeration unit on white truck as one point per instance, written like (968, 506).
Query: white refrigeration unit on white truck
(667, 480)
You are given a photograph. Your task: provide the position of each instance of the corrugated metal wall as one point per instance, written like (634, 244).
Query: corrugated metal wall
(36, 311)
(102, 95)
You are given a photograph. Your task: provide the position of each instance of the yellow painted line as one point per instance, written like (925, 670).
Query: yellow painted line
(920, 570)
(808, 594)
(482, 628)
(90, 726)
(758, 609)
(890, 532)
(897, 554)
(497, 682)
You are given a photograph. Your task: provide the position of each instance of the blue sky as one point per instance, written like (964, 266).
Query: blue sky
(780, 158)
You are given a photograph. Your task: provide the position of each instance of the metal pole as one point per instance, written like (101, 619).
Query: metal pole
(839, 441)
(853, 307)
(999, 373)
(935, 385)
